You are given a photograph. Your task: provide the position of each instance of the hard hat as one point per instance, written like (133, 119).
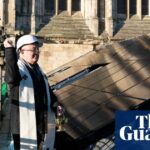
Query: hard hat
(27, 39)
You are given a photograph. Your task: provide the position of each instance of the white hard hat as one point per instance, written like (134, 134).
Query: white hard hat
(27, 39)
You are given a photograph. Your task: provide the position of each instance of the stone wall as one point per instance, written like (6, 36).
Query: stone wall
(55, 55)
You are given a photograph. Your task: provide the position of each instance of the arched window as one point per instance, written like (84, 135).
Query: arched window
(62, 5)
(76, 4)
(21, 6)
(145, 7)
(49, 5)
(26, 6)
(121, 6)
(101, 15)
(133, 4)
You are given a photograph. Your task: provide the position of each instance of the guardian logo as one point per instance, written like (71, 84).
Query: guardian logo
(132, 130)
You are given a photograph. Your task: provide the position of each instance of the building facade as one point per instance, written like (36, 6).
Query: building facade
(99, 15)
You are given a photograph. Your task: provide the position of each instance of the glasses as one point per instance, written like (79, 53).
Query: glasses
(35, 50)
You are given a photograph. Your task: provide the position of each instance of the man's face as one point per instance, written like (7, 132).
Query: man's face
(30, 53)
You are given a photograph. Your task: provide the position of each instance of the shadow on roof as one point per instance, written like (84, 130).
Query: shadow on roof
(91, 101)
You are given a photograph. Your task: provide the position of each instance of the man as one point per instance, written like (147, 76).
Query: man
(32, 101)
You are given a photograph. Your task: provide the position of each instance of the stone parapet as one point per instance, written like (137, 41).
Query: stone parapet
(55, 55)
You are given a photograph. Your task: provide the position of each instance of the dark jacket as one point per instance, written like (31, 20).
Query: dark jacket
(13, 79)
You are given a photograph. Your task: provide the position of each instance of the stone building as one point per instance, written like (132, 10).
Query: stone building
(123, 72)
(100, 16)
(29, 15)
(75, 19)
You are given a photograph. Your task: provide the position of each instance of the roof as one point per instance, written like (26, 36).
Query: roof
(118, 78)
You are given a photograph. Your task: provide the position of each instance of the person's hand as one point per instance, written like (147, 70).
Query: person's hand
(9, 42)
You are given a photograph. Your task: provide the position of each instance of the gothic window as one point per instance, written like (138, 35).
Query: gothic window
(49, 5)
(25, 7)
(76, 5)
(101, 15)
(18, 7)
(63, 5)
(145, 7)
(121, 6)
(133, 7)
(22, 5)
